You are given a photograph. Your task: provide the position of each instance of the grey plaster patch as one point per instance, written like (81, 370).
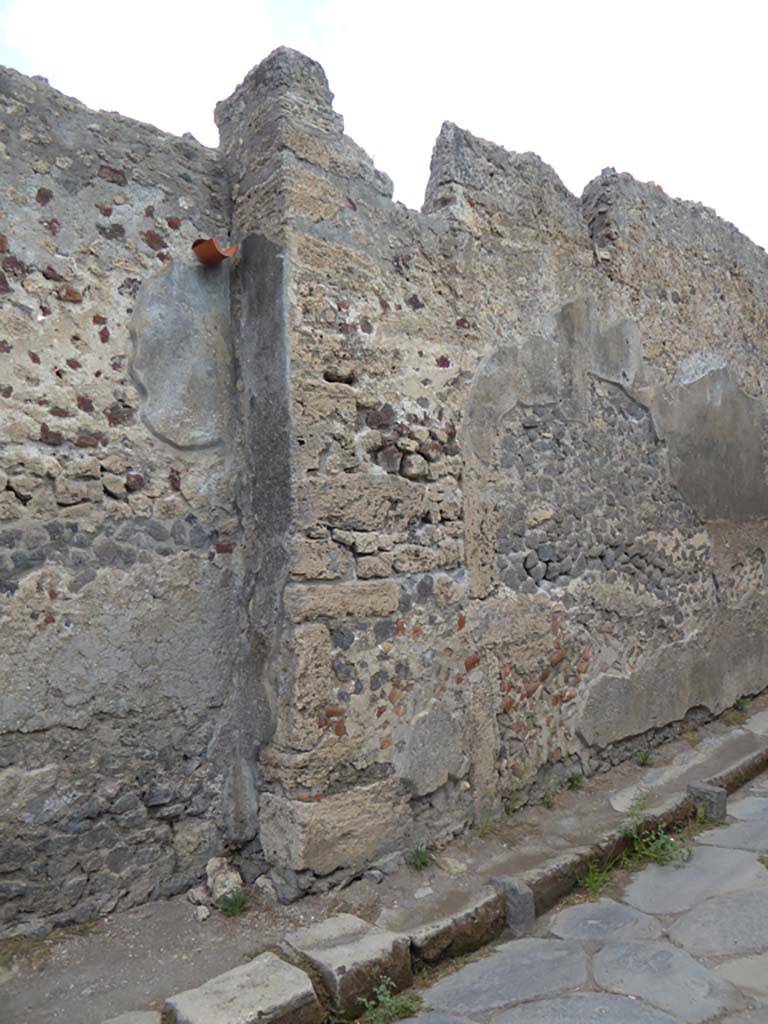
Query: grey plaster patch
(748, 835)
(182, 361)
(726, 925)
(749, 973)
(714, 432)
(665, 889)
(750, 808)
(712, 671)
(583, 1008)
(523, 969)
(667, 978)
(603, 921)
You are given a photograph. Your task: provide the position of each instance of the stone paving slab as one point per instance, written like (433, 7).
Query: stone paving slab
(437, 1017)
(750, 974)
(265, 991)
(725, 925)
(583, 1008)
(747, 835)
(665, 977)
(136, 1018)
(518, 970)
(758, 723)
(352, 957)
(602, 922)
(750, 808)
(669, 889)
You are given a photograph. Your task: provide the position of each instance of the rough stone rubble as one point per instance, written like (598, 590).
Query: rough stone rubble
(341, 546)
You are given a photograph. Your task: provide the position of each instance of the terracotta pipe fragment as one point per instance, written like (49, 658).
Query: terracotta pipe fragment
(209, 252)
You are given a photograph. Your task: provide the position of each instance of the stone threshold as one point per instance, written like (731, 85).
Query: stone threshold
(322, 972)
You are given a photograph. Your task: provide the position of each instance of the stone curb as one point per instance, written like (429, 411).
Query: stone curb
(511, 903)
(556, 878)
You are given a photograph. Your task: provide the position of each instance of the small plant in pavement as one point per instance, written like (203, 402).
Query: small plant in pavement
(420, 858)
(549, 798)
(652, 845)
(386, 1006)
(575, 780)
(596, 878)
(234, 903)
(644, 757)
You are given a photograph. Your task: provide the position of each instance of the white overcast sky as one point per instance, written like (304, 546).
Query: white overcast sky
(673, 91)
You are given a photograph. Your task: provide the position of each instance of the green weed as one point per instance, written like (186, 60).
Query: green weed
(644, 757)
(653, 845)
(740, 704)
(420, 858)
(596, 879)
(234, 903)
(386, 1006)
(575, 780)
(549, 798)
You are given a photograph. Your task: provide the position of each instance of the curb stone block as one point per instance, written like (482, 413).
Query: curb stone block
(265, 991)
(352, 957)
(520, 904)
(714, 799)
(474, 926)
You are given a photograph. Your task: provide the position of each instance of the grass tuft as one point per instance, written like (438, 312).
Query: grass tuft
(234, 903)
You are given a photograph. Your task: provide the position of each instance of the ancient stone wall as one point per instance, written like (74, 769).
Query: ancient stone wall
(346, 546)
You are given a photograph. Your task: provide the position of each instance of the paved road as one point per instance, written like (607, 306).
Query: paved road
(679, 945)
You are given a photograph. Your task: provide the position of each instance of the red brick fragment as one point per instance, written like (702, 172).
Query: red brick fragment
(557, 657)
(52, 225)
(50, 274)
(3, 243)
(56, 410)
(154, 240)
(6, 390)
(5, 346)
(173, 222)
(224, 547)
(443, 362)
(98, 319)
(69, 294)
(48, 436)
(44, 196)
(174, 479)
(463, 323)
(134, 482)
(74, 364)
(35, 358)
(87, 441)
(113, 174)
(104, 335)
(104, 210)
(84, 404)
(471, 662)
(13, 265)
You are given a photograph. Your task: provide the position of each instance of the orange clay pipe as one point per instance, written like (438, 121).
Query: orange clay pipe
(209, 252)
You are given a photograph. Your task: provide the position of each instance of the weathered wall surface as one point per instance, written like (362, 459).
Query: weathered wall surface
(119, 568)
(353, 540)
